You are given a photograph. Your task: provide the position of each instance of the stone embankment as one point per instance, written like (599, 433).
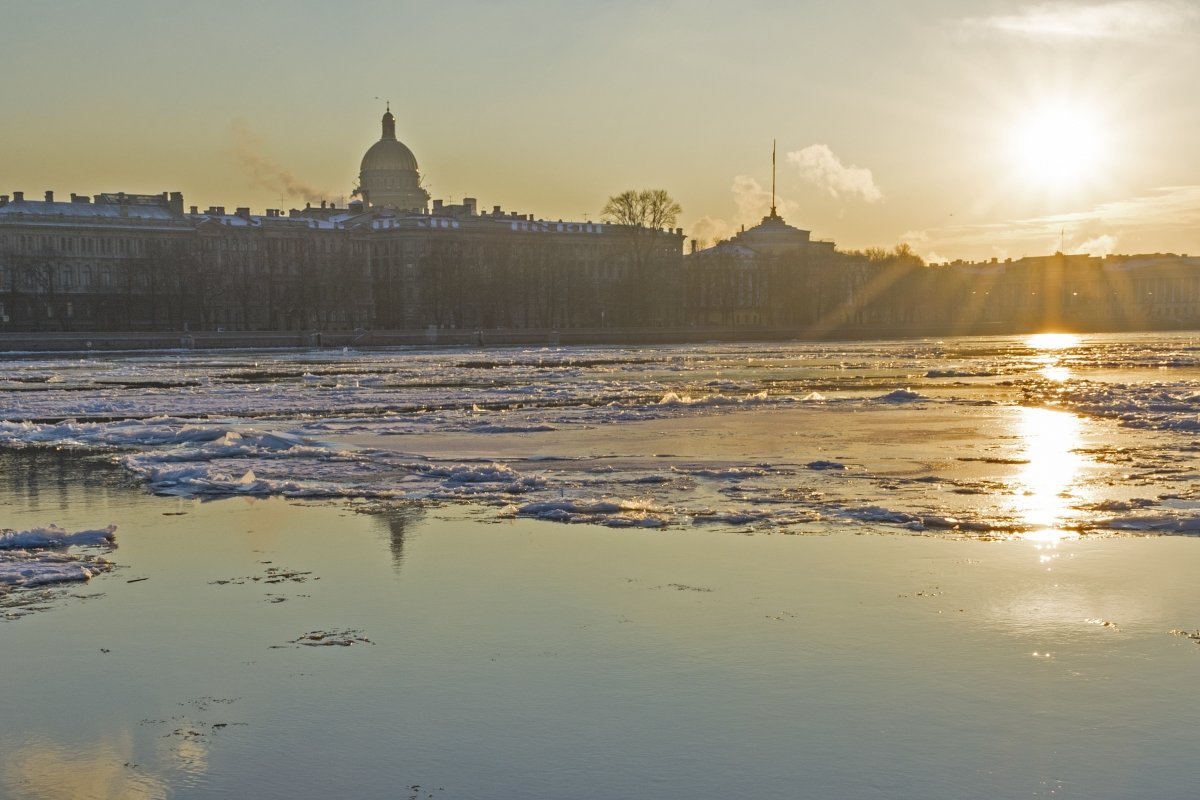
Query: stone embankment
(70, 341)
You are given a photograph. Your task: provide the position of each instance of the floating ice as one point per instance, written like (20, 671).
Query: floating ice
(49, 555)
(727, 434)
(901, 396)
(53, 536)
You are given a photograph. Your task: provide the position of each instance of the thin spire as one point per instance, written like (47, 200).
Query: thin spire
(772, 177)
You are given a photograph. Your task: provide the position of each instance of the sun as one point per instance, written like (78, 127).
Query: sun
(1059, 147)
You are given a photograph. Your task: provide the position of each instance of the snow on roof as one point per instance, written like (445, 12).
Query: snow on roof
(86, 210)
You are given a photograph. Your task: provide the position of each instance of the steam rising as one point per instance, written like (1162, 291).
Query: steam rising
(1102, 245)
(709, 230)
(753, 203)
(248, 146)
(819, 166)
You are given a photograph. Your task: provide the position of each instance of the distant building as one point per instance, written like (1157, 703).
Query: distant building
(388, 260)
(388, 176)
(393, 259)
(753, 278)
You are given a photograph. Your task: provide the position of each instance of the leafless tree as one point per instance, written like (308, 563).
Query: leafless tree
(651, 290)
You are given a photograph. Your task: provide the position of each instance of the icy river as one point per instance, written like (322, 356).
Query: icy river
(939, 568)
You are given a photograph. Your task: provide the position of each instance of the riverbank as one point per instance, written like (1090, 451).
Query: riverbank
(83, 341)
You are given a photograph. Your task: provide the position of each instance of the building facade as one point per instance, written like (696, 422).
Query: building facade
(393, 260)
(388, 260)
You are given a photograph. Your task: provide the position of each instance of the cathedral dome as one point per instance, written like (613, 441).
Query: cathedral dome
(388, 174)
(389, 154)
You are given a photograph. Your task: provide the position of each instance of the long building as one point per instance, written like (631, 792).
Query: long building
(395, 260)
(119, 261)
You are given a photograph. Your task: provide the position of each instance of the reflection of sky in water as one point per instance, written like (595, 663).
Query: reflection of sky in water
(544, 662)
(102, 770)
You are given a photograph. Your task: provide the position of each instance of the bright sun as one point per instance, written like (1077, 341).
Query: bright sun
(1059, 147)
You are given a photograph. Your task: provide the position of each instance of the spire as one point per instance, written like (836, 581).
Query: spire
(389, 123)
(773, 214)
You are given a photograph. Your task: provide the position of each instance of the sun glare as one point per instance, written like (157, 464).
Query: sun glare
(1051, 341)
(1059, 147)
(1051, 439)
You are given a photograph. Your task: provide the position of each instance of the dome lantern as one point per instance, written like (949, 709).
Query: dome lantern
(389, 124)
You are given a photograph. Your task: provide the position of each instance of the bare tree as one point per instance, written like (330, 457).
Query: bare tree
(651, 253)
(648, 208)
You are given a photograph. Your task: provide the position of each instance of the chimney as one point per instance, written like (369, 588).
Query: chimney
(175, 202)
(3, 199)
(194, 210)
(80, 198)
(49, 196)
(18, 197)
(243, 212)
(695, 244)
(437, 205)
(496, 210)
(322, 204)
(470, 203)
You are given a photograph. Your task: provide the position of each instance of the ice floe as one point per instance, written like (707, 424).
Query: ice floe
(746, 435)
(50, 555)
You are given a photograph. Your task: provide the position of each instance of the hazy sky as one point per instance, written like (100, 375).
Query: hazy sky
(968, 128)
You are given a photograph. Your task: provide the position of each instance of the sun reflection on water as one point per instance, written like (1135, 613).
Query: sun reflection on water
(1049, 345)
(1044, 485)
(1052, 341)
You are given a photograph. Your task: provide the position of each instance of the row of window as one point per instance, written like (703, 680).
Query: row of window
(86, 245)
(63, 277)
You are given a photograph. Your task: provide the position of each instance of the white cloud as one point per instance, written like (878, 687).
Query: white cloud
(1060, 21)
(819, 166)
(1168, 218)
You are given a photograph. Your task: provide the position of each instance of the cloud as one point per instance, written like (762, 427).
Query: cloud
(1167, 218)
(247, 149)
(819, 166)
(1059, 22)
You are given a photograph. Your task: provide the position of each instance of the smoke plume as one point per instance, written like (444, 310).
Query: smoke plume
(247, 148)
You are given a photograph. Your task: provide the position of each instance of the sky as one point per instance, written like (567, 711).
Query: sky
(968, 129)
